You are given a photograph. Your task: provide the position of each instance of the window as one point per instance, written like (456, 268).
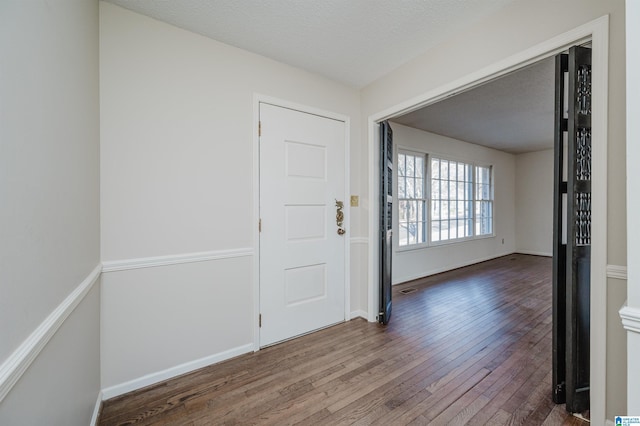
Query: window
(451, 200)
(446, 201)
(412, 201)
(484, 201)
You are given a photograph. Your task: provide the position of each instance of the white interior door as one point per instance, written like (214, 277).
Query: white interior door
(302, 256)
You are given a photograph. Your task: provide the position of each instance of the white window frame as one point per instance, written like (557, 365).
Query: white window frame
(490, 201)
(425, 198)
(470, 200)
(428, 178)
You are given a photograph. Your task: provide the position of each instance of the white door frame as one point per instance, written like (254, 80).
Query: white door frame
(597, 31)
(257, 100)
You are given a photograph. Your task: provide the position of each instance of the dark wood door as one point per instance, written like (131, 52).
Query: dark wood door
(560, 233)
(386, 211)
(572, 230)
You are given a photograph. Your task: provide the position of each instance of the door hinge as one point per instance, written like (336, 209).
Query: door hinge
(259, 128)
(259, 320)
(259, 225)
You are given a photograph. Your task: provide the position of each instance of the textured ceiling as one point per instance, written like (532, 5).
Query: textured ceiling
(512, 114)
(351, 41)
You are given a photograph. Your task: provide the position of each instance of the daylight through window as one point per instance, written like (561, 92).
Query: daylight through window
(451, 200)
(412, 201)
(442, 200)
(484, 201)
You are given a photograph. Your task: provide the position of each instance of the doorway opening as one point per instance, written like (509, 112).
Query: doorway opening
(597, 32)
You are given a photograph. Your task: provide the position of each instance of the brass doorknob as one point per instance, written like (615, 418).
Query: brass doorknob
(340, 217)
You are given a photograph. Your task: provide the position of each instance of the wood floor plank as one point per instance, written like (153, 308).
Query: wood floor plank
(510, 381)
(343, 401)
(500, 418)
(470, 346)
(523, 414)
(489, 352)
(244, 398)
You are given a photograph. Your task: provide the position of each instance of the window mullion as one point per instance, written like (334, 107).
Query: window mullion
(426, 194)
(449, 200)
(474, 178)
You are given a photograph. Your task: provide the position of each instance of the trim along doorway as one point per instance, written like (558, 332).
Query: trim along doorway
(597, 32)
(268, 100)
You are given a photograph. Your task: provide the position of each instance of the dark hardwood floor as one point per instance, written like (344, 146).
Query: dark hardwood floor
(470, 346)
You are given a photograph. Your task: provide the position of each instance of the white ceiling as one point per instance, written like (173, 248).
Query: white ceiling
(512, 114)
(358, 41)
(351, 41)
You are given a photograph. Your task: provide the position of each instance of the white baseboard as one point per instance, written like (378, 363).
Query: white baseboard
(96, 410)
(358, 314)
(14, 367)
(171, 372)
(424, 274)
(535, 253)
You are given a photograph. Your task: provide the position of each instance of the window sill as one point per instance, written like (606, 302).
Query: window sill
(401, 249)
(412, 247)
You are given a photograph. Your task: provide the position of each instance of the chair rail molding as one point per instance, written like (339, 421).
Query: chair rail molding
(359, 240)
(174, 259)
(630, 318)
(14, 367)
(617, 271)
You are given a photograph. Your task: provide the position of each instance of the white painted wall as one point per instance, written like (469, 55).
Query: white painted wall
(416, 263)
(171, 315)
(172, 103)
(177, 178)
(633, 202)
(49, 214)
(633, 152)
(534, 203)
(617, 375)
(61, 386)
(513, 29)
